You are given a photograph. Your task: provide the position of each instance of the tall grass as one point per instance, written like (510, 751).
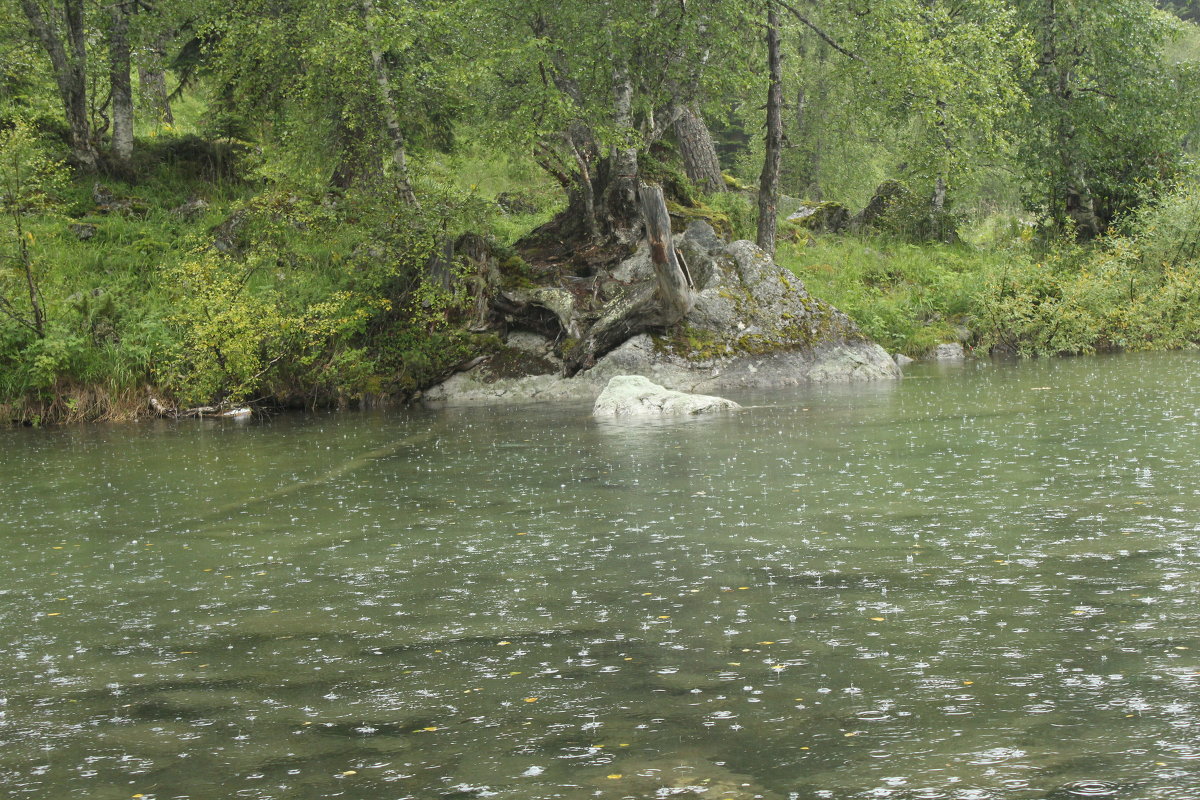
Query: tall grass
(907, 297)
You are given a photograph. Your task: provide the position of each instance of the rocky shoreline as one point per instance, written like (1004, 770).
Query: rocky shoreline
(754, 326)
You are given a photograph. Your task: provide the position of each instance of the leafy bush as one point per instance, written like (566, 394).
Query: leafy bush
(1133, 291)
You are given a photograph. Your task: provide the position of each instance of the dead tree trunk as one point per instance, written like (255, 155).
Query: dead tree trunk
(768, 184)
(675, 289)
(696, 147)
(641, 307)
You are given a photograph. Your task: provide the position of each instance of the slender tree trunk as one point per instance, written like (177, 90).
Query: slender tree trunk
(69, 61)
(1081, 205)
(620, 195)
(696, 146)
(811, 102)
(768, 183)
(152, 84)
(122, 87)
(939, 195)
(586, 187)
(391, 118)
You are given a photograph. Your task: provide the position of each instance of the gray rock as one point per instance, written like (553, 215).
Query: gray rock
(191, 209)
(948, 352)
(637, 267)
(637, 396)
(902, 360)
(821, 217)
(83, 230)
(754, 326)
(529, 342)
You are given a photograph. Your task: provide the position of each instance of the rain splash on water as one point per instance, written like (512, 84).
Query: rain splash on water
(978, 584)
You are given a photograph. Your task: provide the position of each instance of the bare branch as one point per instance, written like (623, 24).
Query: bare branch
(825, 37)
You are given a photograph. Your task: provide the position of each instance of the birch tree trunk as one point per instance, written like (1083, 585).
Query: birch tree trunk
(122, 86)
(390, 116)
(152, 84)
(66, 45)
(620, 199)
(768, 183)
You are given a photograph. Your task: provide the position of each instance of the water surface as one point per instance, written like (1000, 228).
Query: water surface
(978, 584)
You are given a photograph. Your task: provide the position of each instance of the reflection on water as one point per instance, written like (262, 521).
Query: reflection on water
(977, 584)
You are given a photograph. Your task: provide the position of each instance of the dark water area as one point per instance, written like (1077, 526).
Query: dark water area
(980, 583)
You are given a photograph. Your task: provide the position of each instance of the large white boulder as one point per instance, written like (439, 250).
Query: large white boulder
(638, 396)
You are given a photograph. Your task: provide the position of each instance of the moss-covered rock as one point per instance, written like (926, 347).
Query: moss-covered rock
(753, 325)
(826, 217)
(683, 216)
(897, 210)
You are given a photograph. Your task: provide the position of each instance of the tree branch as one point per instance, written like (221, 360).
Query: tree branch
(825, 37)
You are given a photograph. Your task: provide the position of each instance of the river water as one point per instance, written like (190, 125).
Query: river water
(977, 584)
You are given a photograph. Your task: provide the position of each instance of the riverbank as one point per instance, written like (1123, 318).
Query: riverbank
(195, 282)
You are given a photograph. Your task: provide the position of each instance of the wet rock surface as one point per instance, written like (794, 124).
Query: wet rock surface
(636, 396)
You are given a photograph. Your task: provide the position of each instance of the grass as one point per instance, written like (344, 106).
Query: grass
(908, 297)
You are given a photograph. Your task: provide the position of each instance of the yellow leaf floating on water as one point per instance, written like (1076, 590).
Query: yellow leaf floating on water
(350, 772)
(531, 699)
(54, 614)
(664, 616)
(431, 728)
(851, 733)
(503, 643)
(766, 643)
(614, 776)
(878, 619)
(968, 683)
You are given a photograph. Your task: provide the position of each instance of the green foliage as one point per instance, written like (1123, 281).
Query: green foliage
(307, 277)
(31, 179)
(740, 209)
(1107, 110)
(1134, 291)
(907, 297)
